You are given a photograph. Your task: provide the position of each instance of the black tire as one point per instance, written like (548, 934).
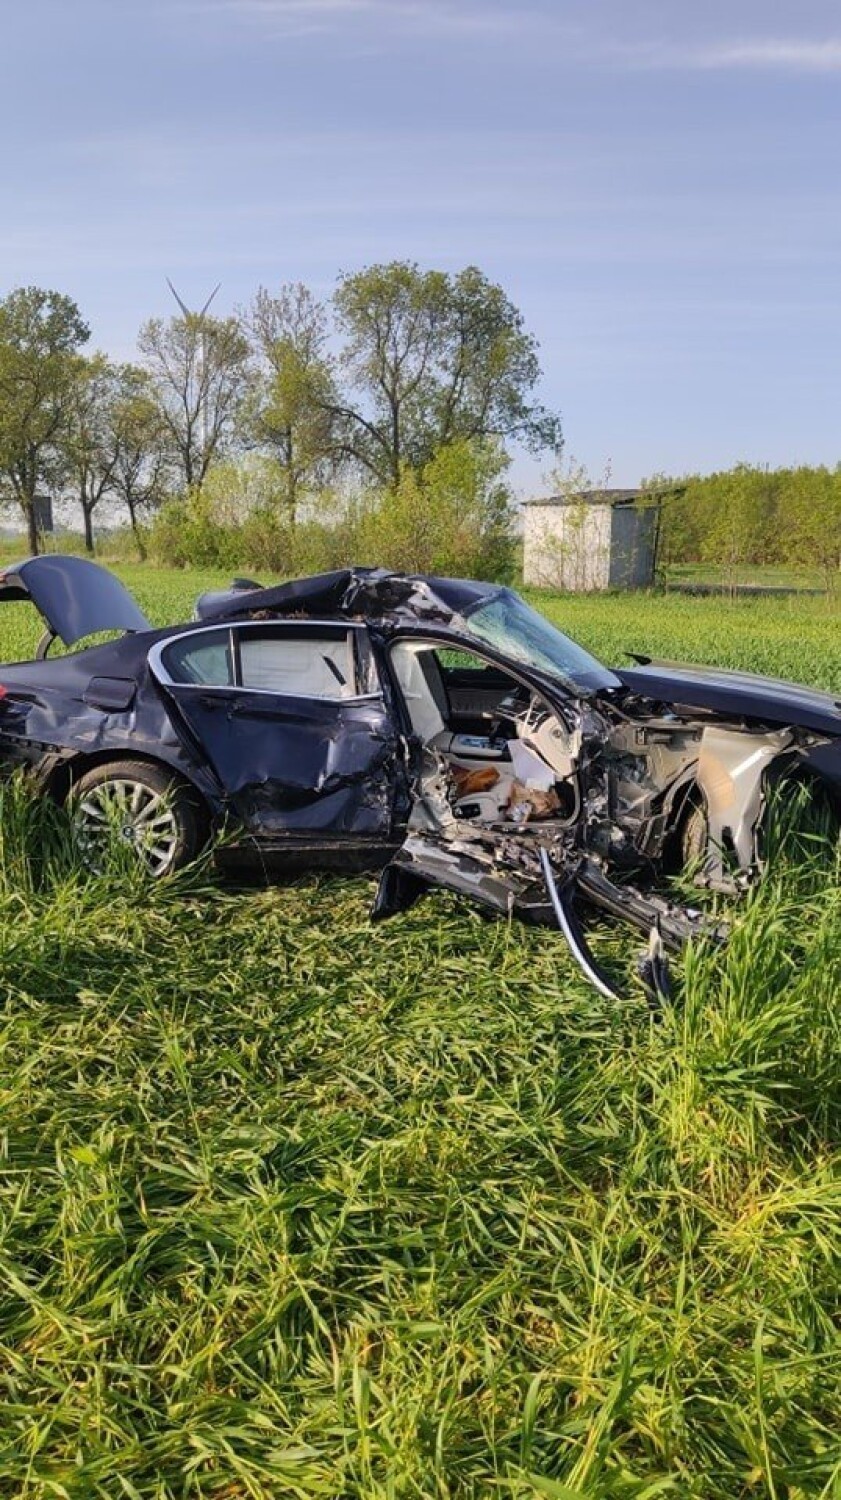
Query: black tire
(694, 837)
(147, 805)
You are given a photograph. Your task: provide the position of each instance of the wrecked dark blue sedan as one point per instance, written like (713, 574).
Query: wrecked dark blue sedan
(437, 730)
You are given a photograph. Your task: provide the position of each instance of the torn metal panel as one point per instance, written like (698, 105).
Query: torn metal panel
(731, 772)
(821, 760)
(304, 764)
(736, 696)
(464, 867)
(350, 592)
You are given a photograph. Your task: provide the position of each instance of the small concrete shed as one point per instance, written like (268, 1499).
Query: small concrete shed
(595, 539)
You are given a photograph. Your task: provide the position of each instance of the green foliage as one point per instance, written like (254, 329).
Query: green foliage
(295, 1206)
(41, 333)
(90, 445)
(142, 470)
(797, 639)
(742, 523)
(408, 1210)
(187, 533)
(292, 406)
(428, 364)
(749, 515)
(452, 517)
(433, 360)
(197, 370)
(203, 531)
(810, 520)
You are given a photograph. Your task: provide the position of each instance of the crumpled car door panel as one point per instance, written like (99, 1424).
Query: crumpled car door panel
(300, 765)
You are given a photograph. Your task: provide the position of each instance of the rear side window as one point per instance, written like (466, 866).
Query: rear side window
(294, 661)
(202, 659)
(306, 666)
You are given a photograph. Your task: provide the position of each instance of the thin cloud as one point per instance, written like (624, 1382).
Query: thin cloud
(583, 45)
(428, 17)
(789, 54)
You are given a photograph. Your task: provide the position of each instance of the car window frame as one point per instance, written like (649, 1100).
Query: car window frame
(556, 697)
(364, 659)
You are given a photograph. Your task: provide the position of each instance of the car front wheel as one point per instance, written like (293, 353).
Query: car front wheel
(694, 837)
(143, 806)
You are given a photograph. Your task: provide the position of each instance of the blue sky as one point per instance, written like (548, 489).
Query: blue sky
(655, 183)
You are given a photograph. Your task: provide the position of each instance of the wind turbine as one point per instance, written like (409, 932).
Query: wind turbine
(182, 304)
(199, 318)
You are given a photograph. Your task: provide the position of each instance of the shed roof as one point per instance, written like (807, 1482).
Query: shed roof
(591, 497)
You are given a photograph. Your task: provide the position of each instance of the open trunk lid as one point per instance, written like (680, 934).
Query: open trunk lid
(75, 597)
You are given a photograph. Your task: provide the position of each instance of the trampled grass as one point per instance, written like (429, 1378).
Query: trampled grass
(294, 1206)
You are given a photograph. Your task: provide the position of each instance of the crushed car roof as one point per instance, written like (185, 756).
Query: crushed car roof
(367, 592)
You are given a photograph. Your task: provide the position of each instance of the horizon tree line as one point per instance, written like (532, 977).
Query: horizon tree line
(361, 389)
(406, 387)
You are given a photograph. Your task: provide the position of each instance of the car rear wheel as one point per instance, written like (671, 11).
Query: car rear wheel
(143, 806)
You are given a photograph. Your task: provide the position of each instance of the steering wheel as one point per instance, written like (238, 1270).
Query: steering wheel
(509, 710)
(42, 649)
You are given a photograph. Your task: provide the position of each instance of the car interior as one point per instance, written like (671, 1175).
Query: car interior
(493, 752)
(503, 754)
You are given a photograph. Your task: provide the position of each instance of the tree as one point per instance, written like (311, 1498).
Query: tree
(433, 359)
(142, 468)
(810, 520)
(736, 532)
(293, 406)
(198, 367)
(90, 446)
(41, 333)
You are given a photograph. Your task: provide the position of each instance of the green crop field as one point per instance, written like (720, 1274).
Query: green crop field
(291, 1205)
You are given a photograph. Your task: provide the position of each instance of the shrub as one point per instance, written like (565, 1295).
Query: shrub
(453, 517)
(752, 515)
(187, 533)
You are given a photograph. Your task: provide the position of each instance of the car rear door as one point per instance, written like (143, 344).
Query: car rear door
(291, 719)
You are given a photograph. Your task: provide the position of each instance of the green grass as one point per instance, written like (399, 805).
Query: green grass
(291, 1205)
(767, 575)
(797, 639)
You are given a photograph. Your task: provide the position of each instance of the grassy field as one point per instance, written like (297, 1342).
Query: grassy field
(295, 1206)
(765, 575)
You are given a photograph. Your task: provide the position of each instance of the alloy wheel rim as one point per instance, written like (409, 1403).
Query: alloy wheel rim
(130, 813)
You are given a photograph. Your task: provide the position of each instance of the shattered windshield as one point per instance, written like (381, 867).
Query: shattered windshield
(510, 625)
